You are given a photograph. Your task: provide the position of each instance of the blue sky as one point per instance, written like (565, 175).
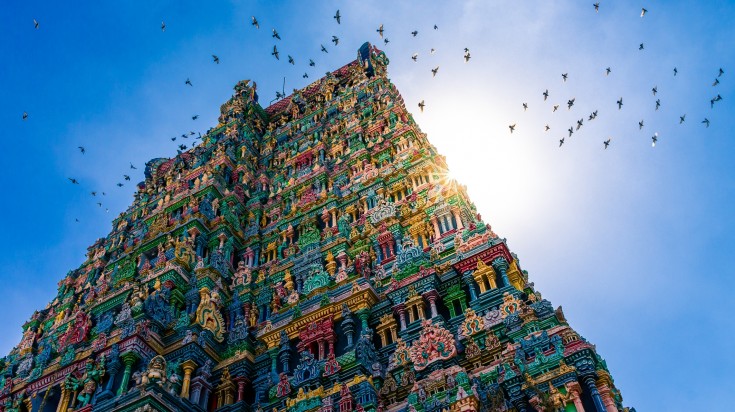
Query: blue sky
(635, 242)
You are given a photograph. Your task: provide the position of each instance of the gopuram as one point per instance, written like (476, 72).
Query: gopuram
(312, 256)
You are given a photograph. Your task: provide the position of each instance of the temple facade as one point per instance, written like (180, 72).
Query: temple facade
(309, 256)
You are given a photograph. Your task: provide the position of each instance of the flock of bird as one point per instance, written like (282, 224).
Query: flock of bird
(619, 102)
(422, 104)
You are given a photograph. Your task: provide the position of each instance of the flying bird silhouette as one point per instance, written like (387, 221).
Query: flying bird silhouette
(721, 72)
(215, 58)
(564, 76)
(579, 123)
(546, 94)
(556, 107)
(415, 57)
(275, 53)
(386, 41)
(82, 149)
(25, 116)
(255, 22)
(126, 177)
(305, 76)
(620, 103)
(561, 142)
(570, 103)
(675, 71)
(640, 125)
(434, 71)
(93, 193)
(643, 12)
(607, 71)
(196, 116)
(512, 128)
(35, 24)
(607, 142)
(311, 63)
(290, 60)
(640, 47)
(681, 118)
(275, 34)
(525, 106)
(436, 27)
(421, 106)
(597, 7)
(467, 57)
(654, 139)
(658, 103)
(73, 181)
(654, 90)
(188, 82)
(120, 185)
(335, 40)
(133, 167)
(338, 17)
(380, 31)
(415, 32)
(716, 82)
(706, 122)
(432, 51)
(547, 128)
(99, 204)
(324, 49)
(571, 131)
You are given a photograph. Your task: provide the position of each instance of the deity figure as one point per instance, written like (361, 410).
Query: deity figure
(93, 373)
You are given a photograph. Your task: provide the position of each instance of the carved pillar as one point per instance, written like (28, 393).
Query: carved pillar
(129, 359)
(435, 224)
(501, 266)
(188, 367)
(240, 388)
(607, 398)
(363, 315)
(589, 384)
(432, 296)
(457, 218)
(401, 309)
(64, 401)
(574, 392)
(467, 277)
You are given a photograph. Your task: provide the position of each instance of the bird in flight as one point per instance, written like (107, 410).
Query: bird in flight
(706, 122)
(561, 142)
(643, 12)
(311, 63)
(76, 220)
(570, 103)
(305, 76)
(593, 115)
(546, 94)
(82, 149)
(607, 71)
(415, 32)
(188, 82)
(181, 147)
(571, 131)
(380, 31)
(467, 57)
(290, 60)
(640, 47)
(99, 204)
(432, 51)
(434, 71)
(173, 139)
(196, 116)
(675, 71)
(607, 142)
(275, 34)
(716, 82)
(525, 106)
(335, 40)
(25, 116)
(126, 177)
(120, 185)
(654, 139)
(35, 24)
(163, 26)
(73, 181)
(93, 193)
(133, 167)
(654, 90)
(512, 127)
(556, 107)
(436, 27)
(579, 123)
(386, 41)
(564, 76)
(255, 22)
(337, 17)
(215, 58)
(597, 7)
(620, 103)
(421, 106)
(547, 128)
(658, 103)
(415, 57)
(640, 125)
(275, 52)
(681, 118)
(721, 72)
(324, 49)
